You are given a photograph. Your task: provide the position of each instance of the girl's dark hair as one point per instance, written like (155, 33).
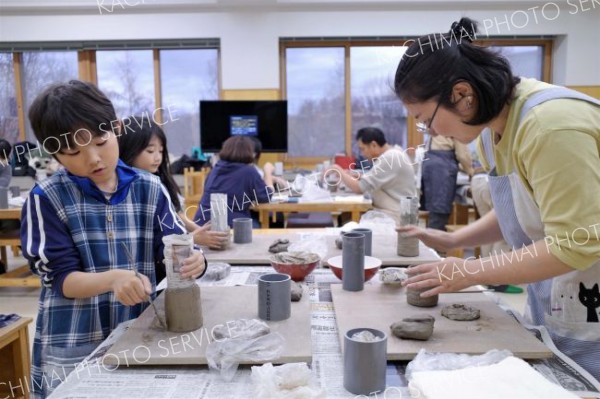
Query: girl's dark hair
(135, 136)
(433, 64)
(62, 109)
(238, 149)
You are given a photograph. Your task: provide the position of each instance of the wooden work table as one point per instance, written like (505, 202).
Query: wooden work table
(257, 252)
(355, 207)
(14, 359)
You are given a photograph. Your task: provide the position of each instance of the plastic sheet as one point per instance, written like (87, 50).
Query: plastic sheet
(243, 346)
(288, 381)
(379, 222)
(428, 361)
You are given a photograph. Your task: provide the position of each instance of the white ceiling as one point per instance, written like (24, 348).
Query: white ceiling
(74, 6)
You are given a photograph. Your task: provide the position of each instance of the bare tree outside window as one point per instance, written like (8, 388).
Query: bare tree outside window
(187, 76)
(316, 106)
(372, 92)
(41, 69)
(9, 122)
(127, 78)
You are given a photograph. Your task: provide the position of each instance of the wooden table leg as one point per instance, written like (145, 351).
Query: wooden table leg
(355, 215)
(263, 217)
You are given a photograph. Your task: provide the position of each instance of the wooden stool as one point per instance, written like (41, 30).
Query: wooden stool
(14, 359)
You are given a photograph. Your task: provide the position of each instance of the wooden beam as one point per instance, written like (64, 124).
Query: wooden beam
(348, 101)
(19, 93)
(157, 86)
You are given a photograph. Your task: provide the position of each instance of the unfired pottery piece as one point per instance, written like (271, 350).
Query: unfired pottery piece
(279, 245)
(241, 328)
(392, 275)
(460, 312)
(416, 327)
(183, 308)
(339, 241)
(413, 298)
(296, 291)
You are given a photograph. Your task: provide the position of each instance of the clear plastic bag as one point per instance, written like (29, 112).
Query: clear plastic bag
(309, 187)
(429, 361)
(288, 381)
(225, 355)
(310, 242)
(379, 222)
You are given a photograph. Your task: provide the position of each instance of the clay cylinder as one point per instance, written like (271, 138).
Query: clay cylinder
(413, 298)
(183, 309)
(409, 215)
(407, 246)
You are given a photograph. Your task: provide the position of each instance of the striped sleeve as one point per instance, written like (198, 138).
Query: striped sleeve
(46, 242)
(167, 222)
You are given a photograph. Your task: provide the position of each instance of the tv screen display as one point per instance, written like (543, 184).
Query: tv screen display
(265, 120)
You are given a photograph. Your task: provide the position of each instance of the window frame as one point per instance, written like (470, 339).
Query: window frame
(413, 137)
(87, 70)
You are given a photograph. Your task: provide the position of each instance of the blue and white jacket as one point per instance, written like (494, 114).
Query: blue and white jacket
(68, 225)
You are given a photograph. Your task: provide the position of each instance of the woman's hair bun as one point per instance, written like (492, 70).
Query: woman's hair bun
(465, 28)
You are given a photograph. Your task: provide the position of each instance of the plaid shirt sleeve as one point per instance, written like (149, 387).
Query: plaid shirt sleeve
(47, 244)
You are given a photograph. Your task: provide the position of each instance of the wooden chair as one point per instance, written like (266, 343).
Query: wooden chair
(193, 188)
(21, 276)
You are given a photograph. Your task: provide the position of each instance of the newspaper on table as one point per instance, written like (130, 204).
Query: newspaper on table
(94, 380)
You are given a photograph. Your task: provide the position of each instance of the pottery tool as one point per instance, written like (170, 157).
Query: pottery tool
(137, 274)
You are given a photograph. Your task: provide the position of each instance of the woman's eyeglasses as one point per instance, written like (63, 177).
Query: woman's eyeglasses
(423, 127)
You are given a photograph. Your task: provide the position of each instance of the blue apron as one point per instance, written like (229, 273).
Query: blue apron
(555, 302)
(439, 180)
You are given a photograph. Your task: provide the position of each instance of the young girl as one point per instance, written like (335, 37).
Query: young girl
(143, 145)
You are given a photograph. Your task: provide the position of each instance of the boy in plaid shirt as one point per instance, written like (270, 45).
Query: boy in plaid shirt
(73, 224)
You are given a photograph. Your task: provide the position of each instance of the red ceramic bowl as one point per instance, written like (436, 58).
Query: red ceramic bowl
(297, 271)
(372, 265)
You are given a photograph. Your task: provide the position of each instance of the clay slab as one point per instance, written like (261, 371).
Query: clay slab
(378, 306)
(143, 345)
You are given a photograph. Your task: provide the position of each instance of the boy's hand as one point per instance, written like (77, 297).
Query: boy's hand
(130, 289)
(193, 266)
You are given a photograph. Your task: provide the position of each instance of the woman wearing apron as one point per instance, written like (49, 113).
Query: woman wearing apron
(540, 144)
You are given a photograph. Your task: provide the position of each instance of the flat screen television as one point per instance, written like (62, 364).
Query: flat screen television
(266, 120)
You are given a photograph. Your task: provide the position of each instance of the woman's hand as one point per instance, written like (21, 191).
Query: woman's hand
(436, 239)
(129, 288)
(211, 239)
(194, 266)
(449, 275)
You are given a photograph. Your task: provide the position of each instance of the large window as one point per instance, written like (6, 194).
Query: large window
(525, 61)
(9, 121)
(322, 77)
(41, 69)
(187, 76)
(165, 80)
(127, 78)
(372, 92)
(316, 101)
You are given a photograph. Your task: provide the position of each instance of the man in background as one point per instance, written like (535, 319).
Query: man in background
(390, 178)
